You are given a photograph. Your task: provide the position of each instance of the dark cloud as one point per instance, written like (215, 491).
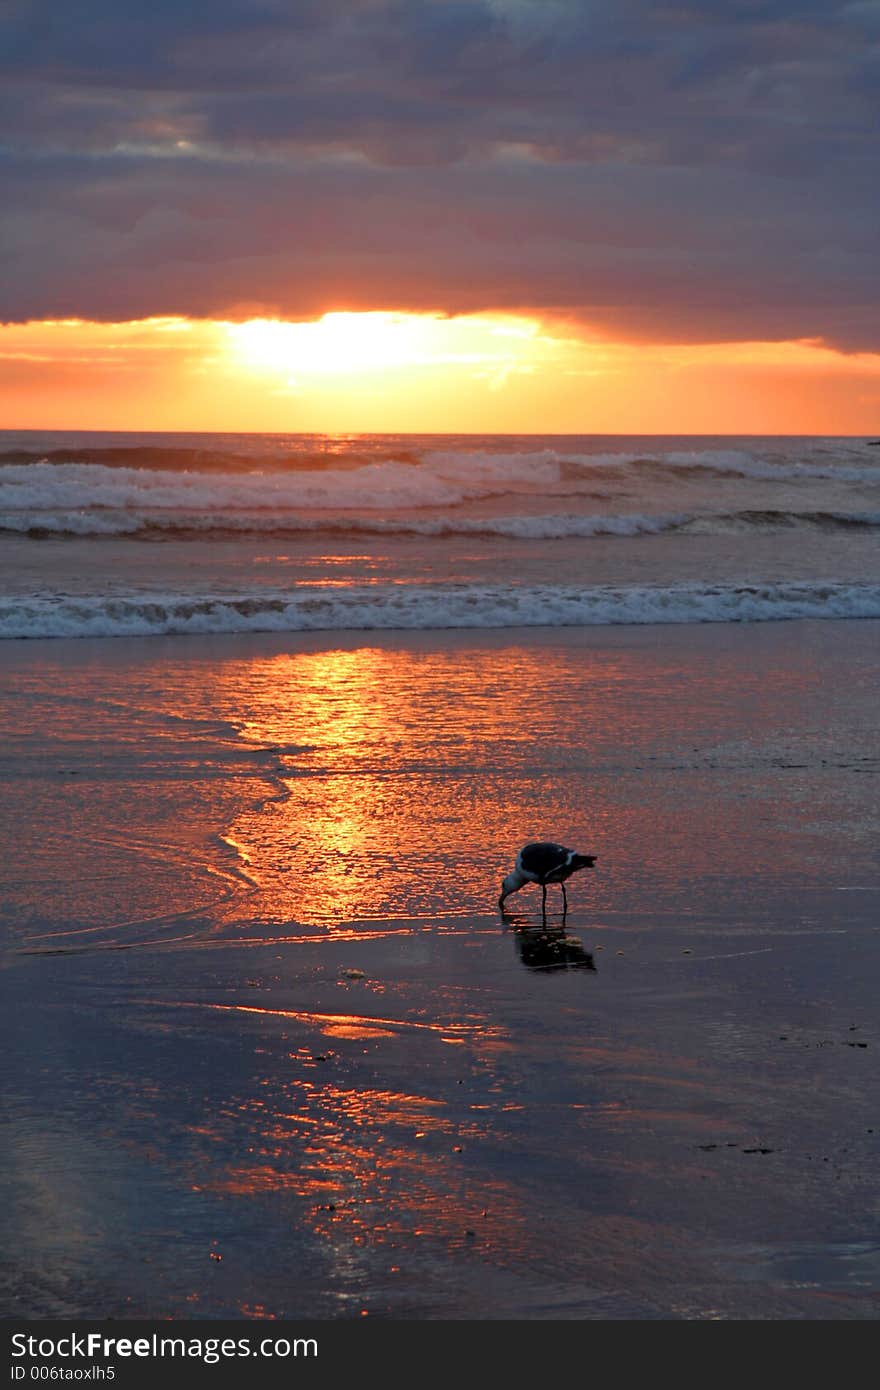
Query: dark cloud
(688, 171)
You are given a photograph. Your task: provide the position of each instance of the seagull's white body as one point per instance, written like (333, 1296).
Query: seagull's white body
(544, 862)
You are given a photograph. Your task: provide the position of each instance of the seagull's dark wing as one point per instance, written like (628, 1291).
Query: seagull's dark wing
(543, 858)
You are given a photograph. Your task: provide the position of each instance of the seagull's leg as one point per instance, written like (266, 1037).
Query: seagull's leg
(544, 902)
(564, 899)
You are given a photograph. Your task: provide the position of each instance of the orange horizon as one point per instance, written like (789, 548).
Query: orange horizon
(398, 373)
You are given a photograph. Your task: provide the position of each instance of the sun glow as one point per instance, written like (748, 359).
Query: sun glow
(379, 342)
(337, 344)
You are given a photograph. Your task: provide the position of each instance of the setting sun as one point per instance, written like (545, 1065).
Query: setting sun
(349, 344)
(335, 344)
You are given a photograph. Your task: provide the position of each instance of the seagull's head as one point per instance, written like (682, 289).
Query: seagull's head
(583, 861)
(511, 884)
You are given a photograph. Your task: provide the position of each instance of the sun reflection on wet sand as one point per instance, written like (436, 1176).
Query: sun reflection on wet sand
(410, 776)
(390, 753)
(362, 1025)
(378, 1170)
(393, 782)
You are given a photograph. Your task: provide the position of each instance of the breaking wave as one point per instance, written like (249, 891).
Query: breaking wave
(58, 488)
(409, 607)
(171, 490)
(279, 522)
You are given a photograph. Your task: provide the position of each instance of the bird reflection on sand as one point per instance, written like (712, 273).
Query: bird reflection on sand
(547, 948)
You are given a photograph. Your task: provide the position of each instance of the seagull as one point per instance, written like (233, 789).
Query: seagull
(544, 862)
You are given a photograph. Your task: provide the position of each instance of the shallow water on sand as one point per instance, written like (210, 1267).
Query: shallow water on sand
(258, 1001)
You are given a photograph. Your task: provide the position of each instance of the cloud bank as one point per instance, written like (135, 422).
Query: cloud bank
(680, 172)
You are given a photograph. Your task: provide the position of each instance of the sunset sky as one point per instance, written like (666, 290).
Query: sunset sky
(523, 215)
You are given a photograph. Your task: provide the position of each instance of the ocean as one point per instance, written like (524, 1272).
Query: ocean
(276, 714)
(136, 534)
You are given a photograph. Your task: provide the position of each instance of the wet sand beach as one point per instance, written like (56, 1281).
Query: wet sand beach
(269, 1049)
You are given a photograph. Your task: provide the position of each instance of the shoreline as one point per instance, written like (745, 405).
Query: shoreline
(332, 1064)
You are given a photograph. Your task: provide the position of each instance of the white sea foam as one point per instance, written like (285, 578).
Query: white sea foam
(744, 465)
(408, 607)
(97, 499)
(176, 522)
(58, 488)
(108, 522)
(740, 463)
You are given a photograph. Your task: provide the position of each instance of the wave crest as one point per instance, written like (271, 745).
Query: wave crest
(418, 607)
(159, 523)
